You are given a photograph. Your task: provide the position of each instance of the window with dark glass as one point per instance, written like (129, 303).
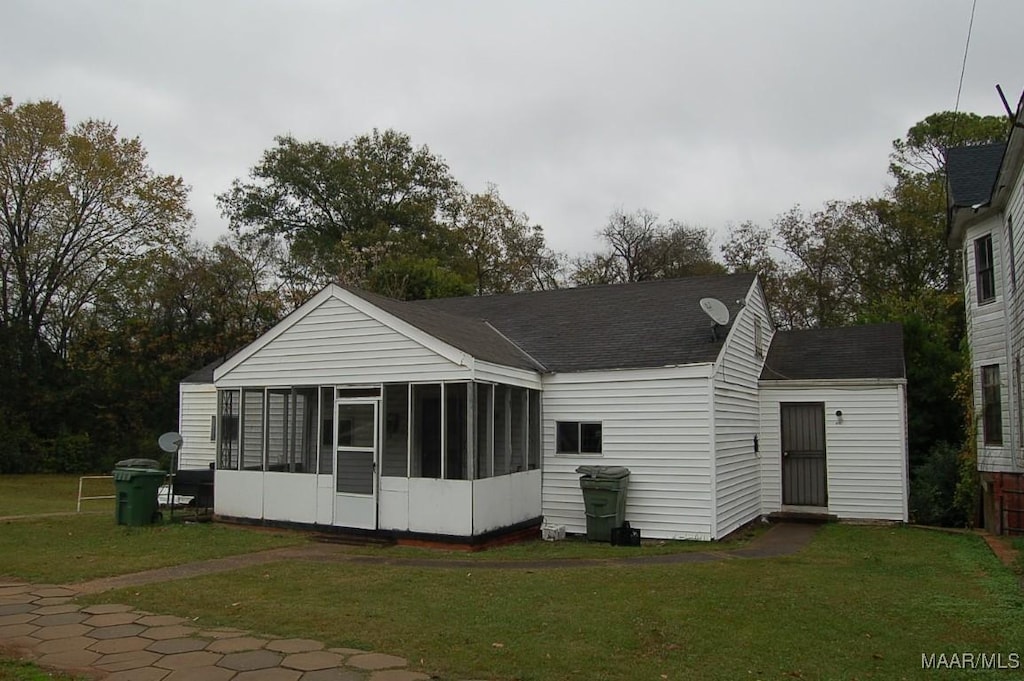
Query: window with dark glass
(575, 437)
(1011, 250)
(985, 269)
(992, 405)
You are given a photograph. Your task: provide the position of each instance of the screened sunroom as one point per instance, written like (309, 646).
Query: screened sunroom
(445, 458)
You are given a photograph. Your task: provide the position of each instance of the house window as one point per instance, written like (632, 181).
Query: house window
(1010, 250)
(576, 437)
(758, 338)
(992, 405)
(984, 269)
(228, 408)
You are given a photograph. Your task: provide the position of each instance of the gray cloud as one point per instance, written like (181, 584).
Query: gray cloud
(711, 113)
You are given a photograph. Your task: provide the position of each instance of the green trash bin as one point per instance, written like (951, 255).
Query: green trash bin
(136, 486)
(604, 498)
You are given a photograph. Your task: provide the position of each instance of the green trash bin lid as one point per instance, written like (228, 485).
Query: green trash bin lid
(603, 472)
(138, 463)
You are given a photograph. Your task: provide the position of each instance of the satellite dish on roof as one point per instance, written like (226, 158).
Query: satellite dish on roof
(170, 442)
(716, 309)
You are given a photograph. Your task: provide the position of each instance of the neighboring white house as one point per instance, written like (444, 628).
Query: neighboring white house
(986, 197)
(463, 418)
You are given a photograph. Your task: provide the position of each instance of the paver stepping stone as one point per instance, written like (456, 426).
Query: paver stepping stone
(188, 660)
(111, 619)
(14, 589)
(64, 631)
(375, 661)
(333, 675)
(237, 645)
(26, 643)
(134, 659)
(160, 620)
(172, 631)
(222, 633)
(52, 592)
(12, 630)
(62, 618)
(106, 608)
(62, 645)
(146, 674)
(295, 645)
(13, 607)
(251, 659)
(69, 658)
(199, 674)
(121, 645)
(312, 661)
(398, 675)
(275, 674)
(348, 651)
(19, 618)
(57, 609)
(177, 645)
(56, 600)
(117, 631)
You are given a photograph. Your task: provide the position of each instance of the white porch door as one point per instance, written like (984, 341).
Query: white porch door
(355, 466)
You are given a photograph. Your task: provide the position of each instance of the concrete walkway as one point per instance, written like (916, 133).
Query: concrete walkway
(118, 643)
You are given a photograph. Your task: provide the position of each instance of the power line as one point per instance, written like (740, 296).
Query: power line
(963, 69)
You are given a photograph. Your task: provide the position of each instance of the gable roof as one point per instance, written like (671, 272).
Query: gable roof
(204, 375)
(473, 336)
(868, 351)
(971, 173)
(615, 326)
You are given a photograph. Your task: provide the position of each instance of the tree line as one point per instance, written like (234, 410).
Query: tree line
(107, 300)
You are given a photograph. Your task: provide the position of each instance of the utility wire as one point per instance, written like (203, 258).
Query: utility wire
(963, 69)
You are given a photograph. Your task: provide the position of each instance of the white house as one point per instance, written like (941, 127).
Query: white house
(463, 418)
(985, 189)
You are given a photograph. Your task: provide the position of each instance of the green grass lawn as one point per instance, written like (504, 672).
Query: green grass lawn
(73, 548)
(11, 670)
(32, 494)
(858, 603)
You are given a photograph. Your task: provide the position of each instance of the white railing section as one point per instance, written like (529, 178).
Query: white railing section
(81, 480)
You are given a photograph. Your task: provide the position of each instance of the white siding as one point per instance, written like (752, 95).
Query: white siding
(1002, 460)
(336, 343)
(656, 423)
(737, 468)
(865, 455)
(197, 405)
(987, 334)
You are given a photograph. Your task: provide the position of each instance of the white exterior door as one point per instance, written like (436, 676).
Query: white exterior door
(355, 465)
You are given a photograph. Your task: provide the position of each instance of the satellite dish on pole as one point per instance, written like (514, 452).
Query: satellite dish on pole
(170, 442)
(716, 309)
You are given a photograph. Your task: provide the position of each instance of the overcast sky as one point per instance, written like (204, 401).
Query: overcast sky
(712, 113)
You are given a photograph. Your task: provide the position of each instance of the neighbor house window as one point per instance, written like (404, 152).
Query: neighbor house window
(228, 409)
(576, 437)
(758, 338)
(1011, 250)
(992, 405)
(984, 269)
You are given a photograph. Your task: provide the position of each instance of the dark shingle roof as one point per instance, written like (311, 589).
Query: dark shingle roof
(618, 326)
(473, 336)
(971, 173)
(869, 351)
(204, 375)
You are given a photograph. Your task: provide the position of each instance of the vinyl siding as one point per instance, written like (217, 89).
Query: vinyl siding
(865, 455)
(1003, 461)
(335, 343)
(737, 468)
(987, 334)
(197, 405)
(656, 423)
